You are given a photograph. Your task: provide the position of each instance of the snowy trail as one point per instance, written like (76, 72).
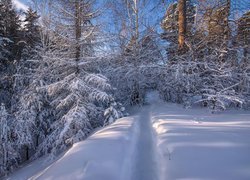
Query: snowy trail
(124, 150)
(160, 141)
(145, 166)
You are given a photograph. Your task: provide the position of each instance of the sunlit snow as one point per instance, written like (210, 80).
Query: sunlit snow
(158, 141)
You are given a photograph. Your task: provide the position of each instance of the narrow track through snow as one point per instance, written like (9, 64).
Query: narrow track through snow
(145, 165)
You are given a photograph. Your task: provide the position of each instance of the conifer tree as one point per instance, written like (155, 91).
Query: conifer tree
(10, 48)
(31, 33)
(63, 86)
(8, 151)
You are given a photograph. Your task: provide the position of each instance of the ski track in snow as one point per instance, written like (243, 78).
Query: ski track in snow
(145, 165)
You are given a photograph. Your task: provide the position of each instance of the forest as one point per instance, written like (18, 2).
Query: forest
(70, 67)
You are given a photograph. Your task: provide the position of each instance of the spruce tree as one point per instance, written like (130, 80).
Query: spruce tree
(31, 34)
(8, 151)
(66, 100)
(10, 49)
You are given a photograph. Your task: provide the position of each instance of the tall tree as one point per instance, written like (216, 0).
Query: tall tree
(74, 22)
(64, 92)
(243, 35)
(227, 7)
(30, 46)
(4, 139)
(170, 26)
(8, 151)
(137, 41)
(10, 27)
(31, 30)
(10, 49)
(182, 23)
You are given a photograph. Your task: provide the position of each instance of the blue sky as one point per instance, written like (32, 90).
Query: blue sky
(238, 6)
(25, 1)
(20, 5)
(154, 15)
(241, 4)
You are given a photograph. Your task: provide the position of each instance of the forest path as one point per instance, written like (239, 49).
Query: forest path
(145, 162)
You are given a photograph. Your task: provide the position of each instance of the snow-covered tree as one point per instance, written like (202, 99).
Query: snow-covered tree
(30, 56)
(4, 133)
(10, 28)
(8, 153)
(74, 98)
(206, 81)
(219, 87)
(10, 48)
(134, 68)
(243, 37)
(31, 32)
(31, 120)
(170, 24)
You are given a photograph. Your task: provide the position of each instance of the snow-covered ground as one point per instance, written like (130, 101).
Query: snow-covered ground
(157, 142)
(195, 144)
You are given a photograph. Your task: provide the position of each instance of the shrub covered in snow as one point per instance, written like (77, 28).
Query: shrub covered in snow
(208, 81)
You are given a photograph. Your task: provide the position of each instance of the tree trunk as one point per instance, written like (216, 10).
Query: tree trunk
(226, 21)
(27, 153)
(136, 11)
(226, 32)
(77, 31)
(182, 23)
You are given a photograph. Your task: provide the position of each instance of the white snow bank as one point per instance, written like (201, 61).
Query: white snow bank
(195, 144)
(105, 155)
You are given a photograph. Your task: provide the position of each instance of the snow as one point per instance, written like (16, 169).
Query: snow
(195, 144)
(107, 154)
(145, 161)
(158, 141)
